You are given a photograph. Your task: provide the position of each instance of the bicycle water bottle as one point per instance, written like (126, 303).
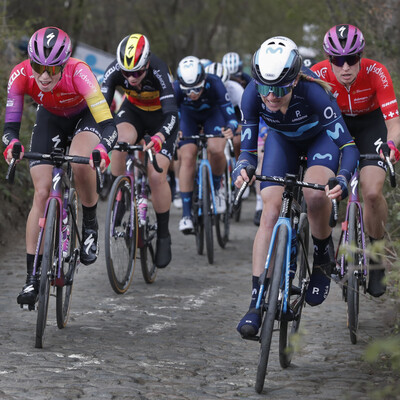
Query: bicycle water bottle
(293, 254)
(142, 210)
(65, 233)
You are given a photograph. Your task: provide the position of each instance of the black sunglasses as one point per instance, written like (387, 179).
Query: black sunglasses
(340, 60)
(134, 74)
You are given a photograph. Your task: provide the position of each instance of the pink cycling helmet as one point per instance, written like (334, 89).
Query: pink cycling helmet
(343, 40)
(49, 46)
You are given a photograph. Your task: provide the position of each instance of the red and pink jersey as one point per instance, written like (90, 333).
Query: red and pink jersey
(77, 89)
(372, 89)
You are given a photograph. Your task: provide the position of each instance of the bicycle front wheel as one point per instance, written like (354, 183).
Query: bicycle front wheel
(65, 281)
(353, 270)
(149, 236)
(198, 222)
(222, 221)
(271, 307)
(121, 235)
(207, 215)
(289, 327)
(49, 263)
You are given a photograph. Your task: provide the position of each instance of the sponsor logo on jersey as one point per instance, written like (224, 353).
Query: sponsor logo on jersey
(380, 73)
(14, 76)
(157, 74)
(85, 78)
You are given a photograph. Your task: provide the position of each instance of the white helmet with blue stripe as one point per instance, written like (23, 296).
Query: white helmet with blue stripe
(277, 62)
(190, 72)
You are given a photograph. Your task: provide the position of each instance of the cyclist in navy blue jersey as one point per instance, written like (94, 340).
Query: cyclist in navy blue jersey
(203, 102)
(303, 117)
(233, 63)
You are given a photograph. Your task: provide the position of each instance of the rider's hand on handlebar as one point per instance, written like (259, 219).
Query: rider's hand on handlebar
(105, 160)
(340, 191)
(239, 174)
(394, 152)
(155, 143)
(227, 132)
(8, 151)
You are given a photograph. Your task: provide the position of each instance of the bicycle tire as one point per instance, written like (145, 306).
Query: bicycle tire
(296, 300)
(121, 235)
(64, 284)
(353, 282)
(149, 236)
(222, 221)
(49, 260)
(207, 214)
(271, 308)
(198, 223)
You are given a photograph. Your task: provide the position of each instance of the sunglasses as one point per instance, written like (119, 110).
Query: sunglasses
(195, 90)
(51, 70)
(134, 74)
(278, 91)
(340, 60)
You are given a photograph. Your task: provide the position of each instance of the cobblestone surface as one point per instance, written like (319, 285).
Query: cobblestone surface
(176, 338)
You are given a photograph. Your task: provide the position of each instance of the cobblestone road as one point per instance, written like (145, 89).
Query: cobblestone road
(176, 338)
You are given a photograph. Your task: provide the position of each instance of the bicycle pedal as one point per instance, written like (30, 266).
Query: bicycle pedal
(28, 307)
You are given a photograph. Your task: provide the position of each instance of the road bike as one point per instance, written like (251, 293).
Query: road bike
(204, 209)
(59, 236)
(131, 221)
(351, 253)
(282, 291)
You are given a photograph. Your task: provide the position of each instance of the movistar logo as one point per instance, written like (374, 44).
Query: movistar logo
(336, 133)
(273, 51)
(320, 156)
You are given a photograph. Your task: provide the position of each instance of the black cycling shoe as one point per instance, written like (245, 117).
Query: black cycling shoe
(90, 246)
(163, 252)
(29, 293)
(376, 287)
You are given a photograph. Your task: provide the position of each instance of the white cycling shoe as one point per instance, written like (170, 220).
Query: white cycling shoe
(186, 225)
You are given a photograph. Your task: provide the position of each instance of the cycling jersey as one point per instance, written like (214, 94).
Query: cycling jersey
(155, 92)
(235, 91)
(311, 112)
(214, 95)
(373, 88)
(76, 90)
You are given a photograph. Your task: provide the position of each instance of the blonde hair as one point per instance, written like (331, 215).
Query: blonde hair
(327, 87)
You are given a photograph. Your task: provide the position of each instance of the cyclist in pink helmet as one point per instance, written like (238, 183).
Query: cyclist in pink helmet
(364, 92)
(70, 104)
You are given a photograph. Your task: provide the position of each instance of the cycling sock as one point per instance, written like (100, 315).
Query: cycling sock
(30, 259)
(321, 250)
(216, 181)
(255, 291)
(186, 203)
(162, 224)
(89, 216)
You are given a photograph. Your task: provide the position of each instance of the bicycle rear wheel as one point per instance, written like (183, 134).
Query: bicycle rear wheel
(121, 235)
(353, 271)
(198, 222)
(297, 289)
(207, 214)
(49, 262)
(65, 282)
(149, 237)
(271, 307)
(222, 221)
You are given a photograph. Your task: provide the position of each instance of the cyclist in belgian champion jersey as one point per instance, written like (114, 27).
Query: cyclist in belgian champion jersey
(364, 92)
(303, 117)
(149, 107)
(70, 104)
(202, 100)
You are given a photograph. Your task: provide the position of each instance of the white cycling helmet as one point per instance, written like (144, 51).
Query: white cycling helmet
(190, 72)
(277, 62)
(218, 69)
(206, 62)
(232, 62)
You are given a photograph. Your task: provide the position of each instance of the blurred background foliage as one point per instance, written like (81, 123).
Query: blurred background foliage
(207, 29)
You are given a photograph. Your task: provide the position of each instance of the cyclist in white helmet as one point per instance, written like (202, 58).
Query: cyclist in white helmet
(233, 63)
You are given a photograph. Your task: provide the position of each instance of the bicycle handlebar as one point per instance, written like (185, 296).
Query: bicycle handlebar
(392, 174)
(124, 146)
(57, 157)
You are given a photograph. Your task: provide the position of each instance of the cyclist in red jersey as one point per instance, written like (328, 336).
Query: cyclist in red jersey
(70, 107)
(364, 92)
